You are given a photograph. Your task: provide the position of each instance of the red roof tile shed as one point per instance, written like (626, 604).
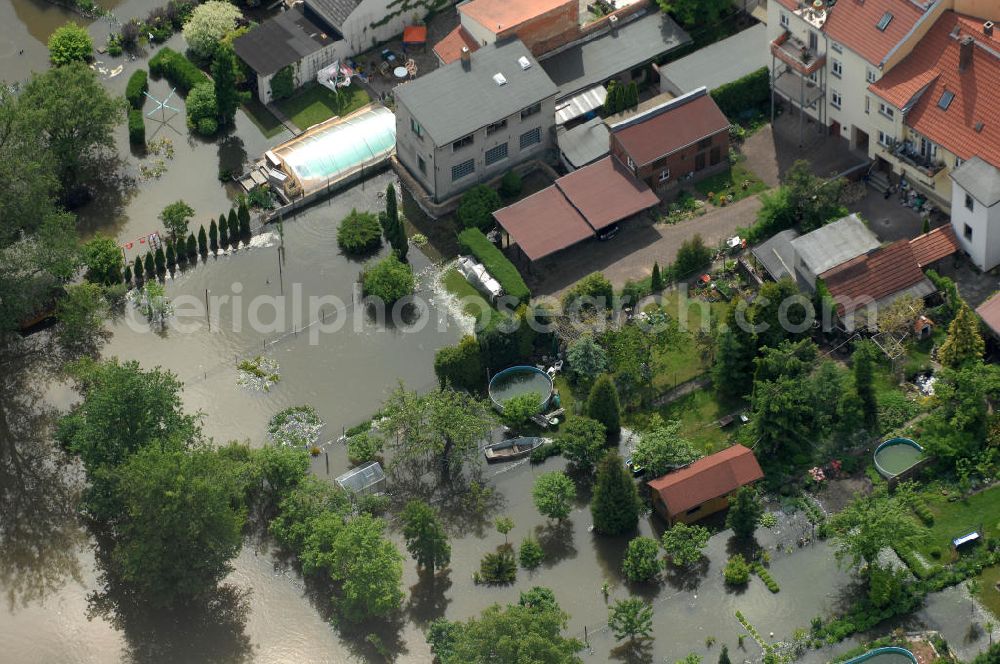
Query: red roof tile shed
(605, 192)
(875, 275)
(710, 477)
(666, 129)
(543, 223)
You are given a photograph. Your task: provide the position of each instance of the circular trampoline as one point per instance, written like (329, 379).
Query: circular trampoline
(515, 381)
(896, 456)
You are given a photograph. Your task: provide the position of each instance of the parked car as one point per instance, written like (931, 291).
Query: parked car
(608, 232)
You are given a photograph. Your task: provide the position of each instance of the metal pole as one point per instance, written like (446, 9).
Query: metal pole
(281, 278)
(208, 315)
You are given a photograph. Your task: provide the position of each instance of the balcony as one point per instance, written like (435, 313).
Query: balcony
(908, 154)
(796, 54)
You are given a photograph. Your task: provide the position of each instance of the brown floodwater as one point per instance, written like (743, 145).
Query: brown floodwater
(48, 569)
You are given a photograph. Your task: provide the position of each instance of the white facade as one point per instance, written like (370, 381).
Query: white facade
(977, 228)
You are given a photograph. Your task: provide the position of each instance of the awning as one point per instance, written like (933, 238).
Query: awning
(575, 106)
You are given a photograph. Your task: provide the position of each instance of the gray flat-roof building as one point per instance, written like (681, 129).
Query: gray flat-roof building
(829, 246)
(583, 144)
(717, 64)
(474, 119)
(777, 255)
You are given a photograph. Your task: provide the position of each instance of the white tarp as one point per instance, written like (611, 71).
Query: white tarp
(477, 275)
(335, 76)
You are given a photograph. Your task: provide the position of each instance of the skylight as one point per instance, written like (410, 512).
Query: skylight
(946, 97)
(884, 22)
(499, 79)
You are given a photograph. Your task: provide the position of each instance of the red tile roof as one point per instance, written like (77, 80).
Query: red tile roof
(667, 128)
(500, 15)
(934, 246)
(710, 477)
(933, 68)
(854, 24)
(449, 48)
(877, 274)
(605, 192)
(543, 223)
(989, 311)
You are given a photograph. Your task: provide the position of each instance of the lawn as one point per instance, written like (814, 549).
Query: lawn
(737, 181)
(697, 413)
(474, 303)
(680, 360)
(316, 103)
(952, 519)
(264, 120)
(989, 595)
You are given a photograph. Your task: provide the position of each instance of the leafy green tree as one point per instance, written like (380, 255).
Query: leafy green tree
(243, 215)
(872, 523)
(603, 406)
(582, 442)
(684, 544)
(202, 109)
(75, 117)
(504, 524)
(587, 359)
(425, 537)
(775, 319)
(514, 633)
(615, 503)
(497, 568)
(662, 448)
(477, 207)
(592, 292)
(531, 554)
(641, 562)
(862, 361)
(179, 528)
(693, 255)
(511, 185)
(519, 409)
(225, 70)
(277, 470)
(311, 497)
(202, 242)
(737, 571)
(389, 280)
(175, 218)
(171, 256)
(283, 83)
(81, 313)
(695, 12)
(957, 427)
(732, 373)
(359, 233)
(208, 24)
(964, 343)
(103, 258)
(460, 366)
(631, 619)
(553, 495)
(656, 281)
(70, 43)
(745, 511)
(538, 598)
(814, 201)
(443, 427)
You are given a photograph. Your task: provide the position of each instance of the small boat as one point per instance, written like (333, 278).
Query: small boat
(508, 450)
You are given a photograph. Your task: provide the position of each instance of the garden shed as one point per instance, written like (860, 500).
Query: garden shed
(363, 480)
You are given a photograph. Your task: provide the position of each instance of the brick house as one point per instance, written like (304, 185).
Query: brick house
(703, 487)
(686, 138)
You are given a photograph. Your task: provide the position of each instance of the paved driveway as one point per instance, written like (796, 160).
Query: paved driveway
(630, 255)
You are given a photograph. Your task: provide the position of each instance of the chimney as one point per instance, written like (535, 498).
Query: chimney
(965, 53)
(466, 58)
(988, 28)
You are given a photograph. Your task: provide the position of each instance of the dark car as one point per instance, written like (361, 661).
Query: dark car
(608, 233)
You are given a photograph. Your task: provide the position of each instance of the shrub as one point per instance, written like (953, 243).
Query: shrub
(693, 255)
(136, 128)
(641, 562)
(518, 409)
(70, 43)
(283, 83)
(587, 359)
(750, 92)
(177, 69)
(766, 577)
(388, 280)
(359, 233)
(592, 292)
(201, 106)
(138, 84)
(477, 207)
(497, 568)
(460, 365)
(472, 241)
(531, 554)
(736, 571)
(543, 452)
(511, 185)
(128, 36)
(375, 504)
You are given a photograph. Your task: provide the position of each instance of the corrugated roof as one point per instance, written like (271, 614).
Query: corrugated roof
(777, 255)
(606, 192)
(720, 63)
(598, 59)
(449, 48)
(334, 12)
(710, 477)
(453, 101)
(670, 127)
(970, 125)
(543, 223)
(499, 15)
(989, 311)
(875, 275)
(980, 179)
(282, 40)
(934, 246)
(835, 243)
(584, 143)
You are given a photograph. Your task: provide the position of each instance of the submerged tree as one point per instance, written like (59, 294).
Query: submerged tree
(872, 523)
(603, 406)
(631, 619)
(553, 494)
(425, 537)
(745, 511)
(615, 503)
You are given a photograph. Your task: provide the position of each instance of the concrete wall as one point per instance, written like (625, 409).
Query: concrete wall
(438, 160)
(680, 163)
(550, 30)
(984, 245)
(984, 9)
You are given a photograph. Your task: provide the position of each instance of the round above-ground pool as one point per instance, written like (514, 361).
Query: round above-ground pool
(896, 456)
(888, 655)
(514, 381)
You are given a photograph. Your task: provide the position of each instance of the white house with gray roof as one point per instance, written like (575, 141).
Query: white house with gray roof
(975, 211)
(474, 119)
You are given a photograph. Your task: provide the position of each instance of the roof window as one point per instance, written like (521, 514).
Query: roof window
(524, 62)
(946, 98)
(499, 79)
(884, 22)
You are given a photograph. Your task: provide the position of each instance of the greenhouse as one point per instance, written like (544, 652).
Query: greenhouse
(364, 479)
(336, 151)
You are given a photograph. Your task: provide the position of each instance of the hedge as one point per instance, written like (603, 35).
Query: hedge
(472, 241)
(743, 95)
(177, 69)
(136, 128)
(137, 85)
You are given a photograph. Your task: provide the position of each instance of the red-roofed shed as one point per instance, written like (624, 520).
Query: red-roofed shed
(704, 487)
(543, 223)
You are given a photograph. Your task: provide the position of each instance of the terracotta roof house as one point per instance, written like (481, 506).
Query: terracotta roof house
(541, 25)
(989, 311)
(703, 487)
(682, 139)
